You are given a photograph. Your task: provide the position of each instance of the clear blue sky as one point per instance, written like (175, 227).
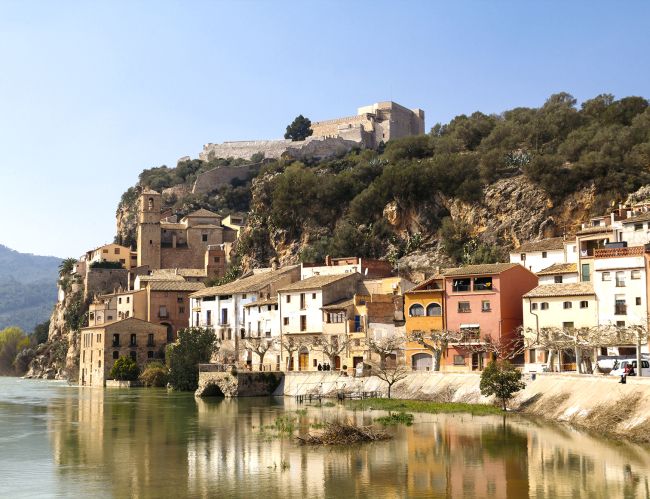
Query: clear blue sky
(93, 92)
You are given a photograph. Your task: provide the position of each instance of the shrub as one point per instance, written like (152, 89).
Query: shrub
(195, 345)
(125, 369)
(155, 374)
(501, 379)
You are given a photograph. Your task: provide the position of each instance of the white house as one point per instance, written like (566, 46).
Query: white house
(368, 268)
(559, 273)
(538, 255)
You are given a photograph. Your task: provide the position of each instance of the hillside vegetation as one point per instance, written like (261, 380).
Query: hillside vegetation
(432, 193)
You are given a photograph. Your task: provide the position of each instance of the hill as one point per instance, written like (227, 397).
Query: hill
(464, 193)
(27, 288)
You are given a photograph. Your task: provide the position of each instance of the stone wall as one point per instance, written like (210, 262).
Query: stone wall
(242, 384)
(221, 175)
(101, 281)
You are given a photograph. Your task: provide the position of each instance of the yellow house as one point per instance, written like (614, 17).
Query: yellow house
(424, 312)
(111, 253)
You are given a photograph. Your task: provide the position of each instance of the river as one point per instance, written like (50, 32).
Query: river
(62, 441)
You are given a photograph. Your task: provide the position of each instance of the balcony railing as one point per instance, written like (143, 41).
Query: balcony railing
(614, 252)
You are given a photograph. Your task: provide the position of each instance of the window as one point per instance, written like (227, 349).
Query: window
(224, 316)
(416, 310)
(208, 317)
(463, 307)
(104, 251)
(483, 284)
(117, 251)
(313, 296)
(620, 279)
(133, 342)
(150, 354)
(204, 238)
(636, 274)
(533, 306)
(179, 299)
(128, 299)
(460, 285)
(116, 354)
(638, 226)
(288, 298)
(162, 311)
(620, 308)
(133, 355)
(302, 301)
(638, 300)
(607, 276)
(116, 340)
(285, 321)
(584, 304)
(459, 360)
(586, 276)
(567, 325)
(216, 259)
(181, 310)
(544, 254)
(485, 306)
(434, 310)
(150, 340)
(522, 257)
(620, 324)
(543, 305)
(557, 279)
(303, 323)
(566, 305)
(336, 317)
(119, 300)
(532, 355)
(122, 260)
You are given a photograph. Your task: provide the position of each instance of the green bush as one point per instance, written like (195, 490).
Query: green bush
(501, 379)
(195, 345)
(155, 374)
(125, 369)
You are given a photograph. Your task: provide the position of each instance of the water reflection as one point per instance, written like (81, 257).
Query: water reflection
(149, 443)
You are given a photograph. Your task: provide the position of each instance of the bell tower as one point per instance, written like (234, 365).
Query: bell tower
(149, 229)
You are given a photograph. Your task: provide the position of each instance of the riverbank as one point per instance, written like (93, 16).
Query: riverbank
(424, 406)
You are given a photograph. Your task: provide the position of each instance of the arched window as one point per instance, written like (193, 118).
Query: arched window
(150, 204)
(434, 310)
(416, 310)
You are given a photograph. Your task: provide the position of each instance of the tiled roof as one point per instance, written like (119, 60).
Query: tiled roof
(161, 277)
(261, 303)
(202, 213)
(317, 282)
(173, 273)
(565, 289)
(172, 225)
(595, 230)
(172, 285)
(560, 268)
(339, 305)
(643, 217)
(487, 268)
(110, 324)
(249, 284)
(205, 226)
(553, 243)
(422, 285)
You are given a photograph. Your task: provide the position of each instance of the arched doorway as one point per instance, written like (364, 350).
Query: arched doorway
(337, 363)
(422, 362)
(170, 332)
(303, 359)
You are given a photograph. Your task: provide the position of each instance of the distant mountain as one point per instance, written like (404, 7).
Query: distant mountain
(27, 288)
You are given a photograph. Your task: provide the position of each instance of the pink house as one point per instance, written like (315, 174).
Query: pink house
(484, 300)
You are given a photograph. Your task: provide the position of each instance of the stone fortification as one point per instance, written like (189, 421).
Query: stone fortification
(221, 175)
(312, 147)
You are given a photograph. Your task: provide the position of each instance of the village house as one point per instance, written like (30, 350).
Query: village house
(367, 267)
(559, 273)
(316, 309)
(103, 344)
(538, 255)
(484, 301)
(553, 307)
(113, 253)
(224, 308)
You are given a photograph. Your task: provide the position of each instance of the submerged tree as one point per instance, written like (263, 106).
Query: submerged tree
(195, 345)
(391, 375)
(385, 347)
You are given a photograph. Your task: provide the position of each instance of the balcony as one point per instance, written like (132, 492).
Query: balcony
(620, 309)
(617, 252)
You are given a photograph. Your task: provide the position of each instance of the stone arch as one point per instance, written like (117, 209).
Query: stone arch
(211, 390)
(422, 362)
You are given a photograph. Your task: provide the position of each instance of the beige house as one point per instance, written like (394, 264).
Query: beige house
(103, 344)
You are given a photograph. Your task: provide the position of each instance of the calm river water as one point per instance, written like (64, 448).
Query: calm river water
(61, 441)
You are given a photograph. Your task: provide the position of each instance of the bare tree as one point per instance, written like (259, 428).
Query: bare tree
(331, 345)
(260, 346)
(386, 346)
(292, 344)
(391, 375)
(437, 342)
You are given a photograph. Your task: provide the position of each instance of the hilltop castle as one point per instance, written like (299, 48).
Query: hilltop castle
(372, 125)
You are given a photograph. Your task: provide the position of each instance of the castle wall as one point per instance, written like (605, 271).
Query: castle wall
(102, 281)
(222, 175)
(192, 257)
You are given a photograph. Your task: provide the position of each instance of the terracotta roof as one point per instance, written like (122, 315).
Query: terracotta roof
(161, 277)
(318, 281)
(173, 273)
(261, 303)
(554, 243)
(172, 225)
(205, 226)
(565, 289)
(172, 285)
(436, 277)
(120, 321)
(339, 305)
(595, 230)
(249, 284)
(487, 268)
(202, 213)
(643, 217)
(560, 268)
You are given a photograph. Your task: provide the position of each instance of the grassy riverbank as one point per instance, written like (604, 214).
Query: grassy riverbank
(424, 406)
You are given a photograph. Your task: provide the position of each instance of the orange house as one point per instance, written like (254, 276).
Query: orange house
(424, 310)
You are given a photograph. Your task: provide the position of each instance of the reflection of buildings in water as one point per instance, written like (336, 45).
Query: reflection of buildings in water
(563, 462)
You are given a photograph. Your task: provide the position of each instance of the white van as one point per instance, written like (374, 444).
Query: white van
(619, 367)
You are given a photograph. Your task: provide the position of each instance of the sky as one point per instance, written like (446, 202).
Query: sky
(92, 93)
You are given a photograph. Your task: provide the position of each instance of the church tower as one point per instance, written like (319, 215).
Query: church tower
(149, 229)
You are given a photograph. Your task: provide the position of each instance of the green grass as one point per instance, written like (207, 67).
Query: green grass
(396, 418)
(424, 406)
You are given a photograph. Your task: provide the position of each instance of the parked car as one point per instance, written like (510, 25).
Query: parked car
(619, 367)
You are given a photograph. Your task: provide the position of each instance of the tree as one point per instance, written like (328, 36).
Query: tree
(332, 346)
(155, 374)
(195, 345)
(260, 346)
(391, 375)
(436, 342)
(291, 345)
(385, 347)
(501, 379)
(299, 129)
(125, 369)
(12, 341)
(66, 266)
(41, 332)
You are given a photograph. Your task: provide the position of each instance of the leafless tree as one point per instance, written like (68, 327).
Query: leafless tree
(292, 344)
(390, 375)
(437, 342)
(331, 345)
(260, 346)
(386, 346)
